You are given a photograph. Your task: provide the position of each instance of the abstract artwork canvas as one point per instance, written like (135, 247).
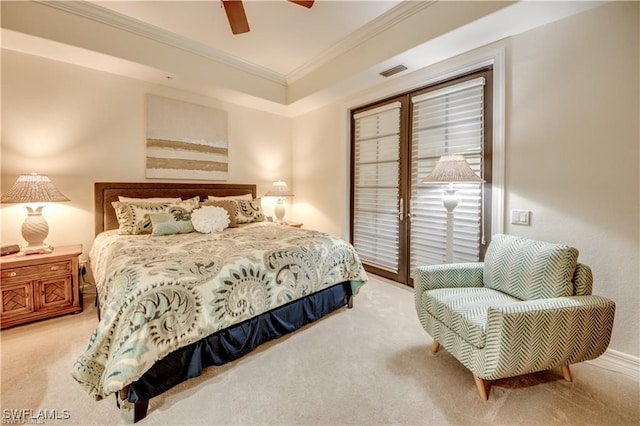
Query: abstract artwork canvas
(185, 141)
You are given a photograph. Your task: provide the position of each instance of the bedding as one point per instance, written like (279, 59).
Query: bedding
(249, 211)
(208, 219)
(170, 223)
(161, 293)
(231, 197)
(135, 217)
(229, 205)
(151, 200)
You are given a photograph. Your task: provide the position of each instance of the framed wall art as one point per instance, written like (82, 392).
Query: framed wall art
(185, 140)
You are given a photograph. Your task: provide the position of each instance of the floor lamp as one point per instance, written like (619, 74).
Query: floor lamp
(451, 169)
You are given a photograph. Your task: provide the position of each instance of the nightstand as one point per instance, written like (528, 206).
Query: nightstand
(39, 286)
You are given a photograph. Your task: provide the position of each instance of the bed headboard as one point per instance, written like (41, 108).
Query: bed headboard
(107, 192)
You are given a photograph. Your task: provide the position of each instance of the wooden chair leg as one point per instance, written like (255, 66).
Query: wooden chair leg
(566, 373)
(482, 388)
(434, 347)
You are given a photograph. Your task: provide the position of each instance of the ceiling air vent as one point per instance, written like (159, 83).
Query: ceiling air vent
(392, 71)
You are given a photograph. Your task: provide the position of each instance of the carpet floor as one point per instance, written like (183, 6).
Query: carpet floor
(369, 365)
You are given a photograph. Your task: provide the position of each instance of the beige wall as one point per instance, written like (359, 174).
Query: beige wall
(320, 168)
(81, 126)
(572, 145)
(571, 150)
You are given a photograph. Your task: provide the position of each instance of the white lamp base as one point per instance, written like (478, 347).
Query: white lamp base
(34, 230)
(450, 201)
(43, 248)
(279, 211)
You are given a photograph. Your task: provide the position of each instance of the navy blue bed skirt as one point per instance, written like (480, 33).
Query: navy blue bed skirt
(236, 341)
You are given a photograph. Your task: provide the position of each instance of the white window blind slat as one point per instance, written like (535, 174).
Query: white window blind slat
(446, 121)
(376, 112)
(445, 91)
(376, 186)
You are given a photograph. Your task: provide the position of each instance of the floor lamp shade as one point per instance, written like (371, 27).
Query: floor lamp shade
(451, 169)
(34, 188)
(279, 190)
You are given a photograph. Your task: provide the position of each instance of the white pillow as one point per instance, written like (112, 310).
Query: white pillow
(208, 219)
(149, 200)
(231, 197)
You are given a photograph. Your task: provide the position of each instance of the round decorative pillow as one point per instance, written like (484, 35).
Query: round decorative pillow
(208, 219)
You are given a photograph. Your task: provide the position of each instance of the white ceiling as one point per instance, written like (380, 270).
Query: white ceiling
(292, 61)
(284, 37)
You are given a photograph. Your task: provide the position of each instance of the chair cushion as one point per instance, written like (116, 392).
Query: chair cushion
(529, 269)
(464, 310)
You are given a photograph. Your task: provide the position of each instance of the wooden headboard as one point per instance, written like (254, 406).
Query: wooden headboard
(107, 192)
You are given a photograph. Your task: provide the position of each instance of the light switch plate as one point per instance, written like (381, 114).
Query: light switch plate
(520, 217)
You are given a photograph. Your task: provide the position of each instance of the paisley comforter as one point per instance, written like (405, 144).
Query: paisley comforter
(160, 293)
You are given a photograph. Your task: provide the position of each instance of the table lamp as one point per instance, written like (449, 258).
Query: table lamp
(280, 190)
(34, 188)
(451, 169)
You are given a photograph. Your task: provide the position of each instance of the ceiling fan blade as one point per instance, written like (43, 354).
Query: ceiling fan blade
(236, 16)
(307, 3)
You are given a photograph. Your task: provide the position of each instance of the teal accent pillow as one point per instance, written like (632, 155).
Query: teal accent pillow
(529, 269)
(176, 222)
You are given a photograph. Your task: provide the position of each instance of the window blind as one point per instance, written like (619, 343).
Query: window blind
(446, 121)
(376, 185)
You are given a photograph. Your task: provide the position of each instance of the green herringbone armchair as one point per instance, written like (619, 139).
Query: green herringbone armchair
(528, 307)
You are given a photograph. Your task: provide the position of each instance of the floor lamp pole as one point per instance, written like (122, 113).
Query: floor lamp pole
(450, 201)
(451, 168)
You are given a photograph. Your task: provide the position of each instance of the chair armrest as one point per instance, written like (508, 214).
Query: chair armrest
(541, 334)
(445, 276)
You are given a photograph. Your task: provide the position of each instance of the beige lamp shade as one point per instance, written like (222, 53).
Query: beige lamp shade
(279, 189)
(452, 168)
(34, 188)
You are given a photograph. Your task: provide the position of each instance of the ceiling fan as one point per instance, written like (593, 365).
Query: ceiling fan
(238, 19)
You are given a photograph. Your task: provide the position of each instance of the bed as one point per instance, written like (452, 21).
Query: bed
(172, 305)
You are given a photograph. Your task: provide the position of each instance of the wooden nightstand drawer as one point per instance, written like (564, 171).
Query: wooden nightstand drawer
(29, 272)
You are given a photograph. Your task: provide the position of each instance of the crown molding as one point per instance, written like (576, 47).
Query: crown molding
(117, 20)
(109, 17)
(383, 22)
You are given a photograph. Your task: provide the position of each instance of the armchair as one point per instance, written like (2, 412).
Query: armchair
(528, 307)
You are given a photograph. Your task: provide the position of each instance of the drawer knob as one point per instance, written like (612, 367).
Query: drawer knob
(13, 274)
(55, 268)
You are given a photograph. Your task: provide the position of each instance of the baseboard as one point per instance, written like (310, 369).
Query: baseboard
(620, 362)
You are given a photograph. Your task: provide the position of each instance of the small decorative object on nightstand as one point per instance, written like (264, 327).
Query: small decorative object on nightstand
(39, 286)
(294, 224)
